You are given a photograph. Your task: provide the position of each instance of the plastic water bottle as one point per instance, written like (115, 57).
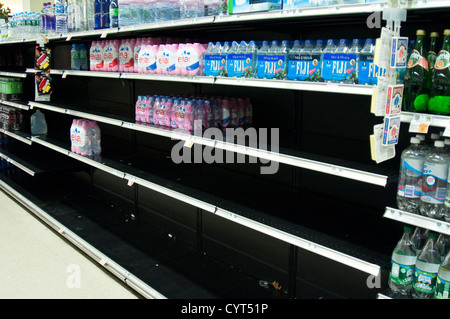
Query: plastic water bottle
(443, 245)
(354, 56)
(61, 16)
(366, 66)
(124, 13)
(427, 267)
(51, 19)
(434, 186)
(38, 123)
(75, 57)
(83, 57)
(97, 14)
(419, 238)
(251, 50)
(105, 19)
(409, 188)
(339, 74)
(403, 261)
(443, 280)
(327, 64)
(114, 14)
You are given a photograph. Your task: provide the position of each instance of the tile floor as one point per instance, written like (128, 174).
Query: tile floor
(35, 263)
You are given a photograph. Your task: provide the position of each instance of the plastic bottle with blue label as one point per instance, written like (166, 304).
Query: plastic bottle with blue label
(352, 69)
(294, 61)
(366, 67)
(434, 186)
(75, 58)
(251, 51)
(409, 188)
(262, 54)
(327, 60)
(340, 62)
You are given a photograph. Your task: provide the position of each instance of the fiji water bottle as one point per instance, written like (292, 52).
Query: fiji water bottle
(353, 59)
(327, 60)
(409, 188)
(434, 186)
(402, 264)
(262, 56)
(294, 61)
(340, 63)
(366, 66)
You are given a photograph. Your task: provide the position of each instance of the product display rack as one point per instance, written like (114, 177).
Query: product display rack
(298, 244)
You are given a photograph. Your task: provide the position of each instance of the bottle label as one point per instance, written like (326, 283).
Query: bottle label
(434, 185)
(187, 59)
(417, 59)
(424, 281)
(442, 60)
(96, 56)
(339, 67)
(215, 65)
(147, 60)
(271, 66)
(166, 60)
(110, 55)
(304, 67)
(239, 65)
(367, 70)
(126, 55)
(442, 288)
(413, 169)
(402, 274)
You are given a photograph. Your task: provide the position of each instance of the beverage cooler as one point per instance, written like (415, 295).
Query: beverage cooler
(189, 182)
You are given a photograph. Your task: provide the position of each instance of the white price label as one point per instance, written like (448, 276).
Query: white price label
(420, 123)
(447, 130)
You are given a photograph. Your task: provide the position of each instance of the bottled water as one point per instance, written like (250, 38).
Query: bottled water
(61, 16)
(327, 60)
(294, 61)
(443, 245)
(427, 267)
(251, 50)
(105, 20)
(75, 57)
(353, 59)
(262, 56)
(4, 29)
(83, 57)
(443, 280)
(124, 13)
(366, 66)
(403, 260)
(38, 123)
(409, 188)
(434, 186)
(51, 19)
(114, 14)
(419, 239)
(70, 15)
(97, 14)
(341, 63)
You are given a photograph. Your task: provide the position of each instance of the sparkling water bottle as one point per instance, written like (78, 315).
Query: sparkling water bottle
(114, 14)
(409, 188)
(434, 185)
(443, 280)
(427, 267)
(403, 260)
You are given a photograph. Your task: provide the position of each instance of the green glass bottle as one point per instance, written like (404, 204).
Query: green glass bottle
(416, 90)
(431, 56)
(440, 85)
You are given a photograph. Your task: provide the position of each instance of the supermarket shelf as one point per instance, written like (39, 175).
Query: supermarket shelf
(14, 74)
(18, 104)
(18, 135)
(436, 120)
(26, 167)
(417, 220)
(260, 83)
(209, 204)
(302, 162)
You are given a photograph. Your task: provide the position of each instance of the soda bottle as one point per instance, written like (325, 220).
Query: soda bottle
(403, 260)
(431, 56)
(409, 188)
(416, 90)
(427, 267)
(443, 280)
(434, 185)
(440, 88)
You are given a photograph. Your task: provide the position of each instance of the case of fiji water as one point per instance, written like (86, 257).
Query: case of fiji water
(241, 6)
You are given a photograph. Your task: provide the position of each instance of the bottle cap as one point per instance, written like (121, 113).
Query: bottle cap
(447, 32)
(432, 234)
(421, 32)
(434, 35)
(414, 140)
(439, 144)
(407, 228)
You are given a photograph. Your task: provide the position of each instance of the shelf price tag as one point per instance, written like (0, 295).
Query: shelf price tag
(447, 129)
(420, 123)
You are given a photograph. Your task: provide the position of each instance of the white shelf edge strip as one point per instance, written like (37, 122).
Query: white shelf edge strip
(168, 78)
(18, 165)
(96, 164)
(417, 220)
(436, 120)
(17, 137)
(14, 74)
(366, 177)
(91, 251)
(38, 140)
(16, 105)
(381, 296)
(302, 243)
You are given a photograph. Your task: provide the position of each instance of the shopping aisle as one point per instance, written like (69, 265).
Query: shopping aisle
(36, 263)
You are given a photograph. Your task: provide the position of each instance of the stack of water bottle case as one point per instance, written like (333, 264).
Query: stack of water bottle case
(342, 61)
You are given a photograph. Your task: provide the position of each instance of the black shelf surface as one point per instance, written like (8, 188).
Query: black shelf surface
(289, 214)
(173, 269)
